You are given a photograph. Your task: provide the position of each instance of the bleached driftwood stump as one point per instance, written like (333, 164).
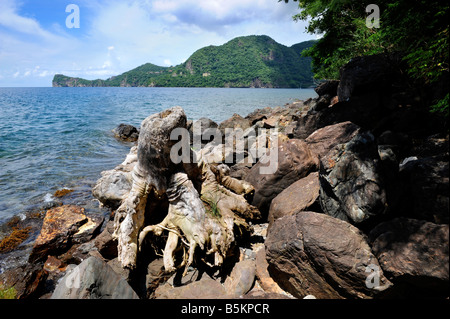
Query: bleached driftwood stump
(188, 222)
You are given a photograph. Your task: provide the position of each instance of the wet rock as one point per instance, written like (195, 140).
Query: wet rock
(414, 252)
(126, 132)
(315, 254)
(93, 279)
(299, 196)
(292, 161)
(59, 227)
(27, 281)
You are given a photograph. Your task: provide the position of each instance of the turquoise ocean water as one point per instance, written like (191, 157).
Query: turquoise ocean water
(54, 138)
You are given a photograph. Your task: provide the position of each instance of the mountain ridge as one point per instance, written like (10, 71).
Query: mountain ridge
(248, 61)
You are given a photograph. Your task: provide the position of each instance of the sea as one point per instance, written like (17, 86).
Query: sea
(61, 138)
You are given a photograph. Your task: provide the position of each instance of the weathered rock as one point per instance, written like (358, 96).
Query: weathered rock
(205, 288)
(241, 278)
(413, 251)
(262, 274)
(265, 295)
(105, 243)
(367, 73)
(28, 281)
(113, 187)
(426, 189)
(234, 122)
(323, 140)
(93, 279)
(352, 188)
(315, 254)
(299, 196)
(203, 130)
(59, 226)
(115, 184)
(318, 104)
(258, 115)
(327, 87)
(288, 163)
(126, 132)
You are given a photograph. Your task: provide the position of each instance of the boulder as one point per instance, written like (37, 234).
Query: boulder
(234, 122)
(126, 132)
(372, 73)
(115, 184)
(203, 288)
(58, 229)
(352, 188)
(203, 130)
(426, 188)
(93, 279)
(27, 281)
(299, 196)
(112, 187)
(241, 278)
(315, 254)
(325, 139)
(415, 252)
(327, 87)
(105, 243)
(262, 274)
(286, 164)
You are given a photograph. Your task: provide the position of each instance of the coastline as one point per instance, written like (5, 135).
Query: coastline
(349, 177)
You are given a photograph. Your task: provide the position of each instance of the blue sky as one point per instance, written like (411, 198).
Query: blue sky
(116, 36)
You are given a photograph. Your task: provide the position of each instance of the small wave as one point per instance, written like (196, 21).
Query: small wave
(48, 198)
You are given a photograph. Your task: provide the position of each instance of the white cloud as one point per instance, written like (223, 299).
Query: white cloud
(116, 36)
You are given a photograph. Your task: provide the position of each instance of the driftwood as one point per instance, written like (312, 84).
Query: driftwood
(206, 220)
(188, 218)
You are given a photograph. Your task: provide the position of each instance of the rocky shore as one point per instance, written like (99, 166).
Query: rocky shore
(357, 206)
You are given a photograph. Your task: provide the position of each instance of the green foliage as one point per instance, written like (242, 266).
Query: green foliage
(251, 61)
(418, 29)
(441, 106)
(7, 293)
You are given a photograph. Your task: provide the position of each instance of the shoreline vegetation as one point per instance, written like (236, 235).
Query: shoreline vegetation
(245, 62)
(356, 209)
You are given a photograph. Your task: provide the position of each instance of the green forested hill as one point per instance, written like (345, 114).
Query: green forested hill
(251, 61)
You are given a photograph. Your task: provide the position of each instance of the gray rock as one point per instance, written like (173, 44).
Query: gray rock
(241, 278)
(203, 288)
(93, 279)
(126, 132)
(115, 184)
(352, 188)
